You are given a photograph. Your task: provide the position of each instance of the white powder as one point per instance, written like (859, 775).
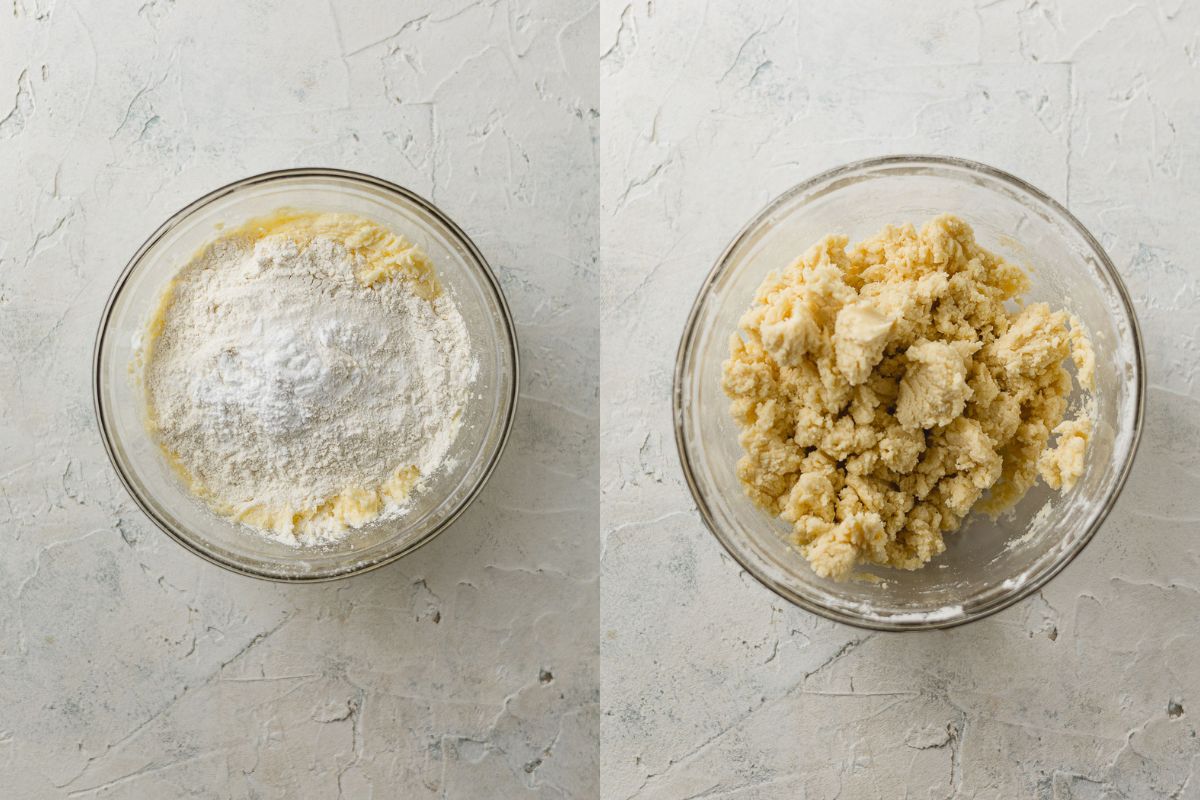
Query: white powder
(279, 381)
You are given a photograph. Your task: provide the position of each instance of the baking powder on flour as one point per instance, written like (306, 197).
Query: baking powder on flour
(279, 381)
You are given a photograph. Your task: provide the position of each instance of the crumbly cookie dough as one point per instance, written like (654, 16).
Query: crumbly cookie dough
(883, 388)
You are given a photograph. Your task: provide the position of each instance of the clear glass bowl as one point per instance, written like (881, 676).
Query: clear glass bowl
(120, 408)
(988, 564)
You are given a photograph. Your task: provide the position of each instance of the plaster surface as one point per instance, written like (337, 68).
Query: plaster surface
(128, 667)
(711, 686)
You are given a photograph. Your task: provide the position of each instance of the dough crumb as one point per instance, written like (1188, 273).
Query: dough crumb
(1061, 466)
(883, 388)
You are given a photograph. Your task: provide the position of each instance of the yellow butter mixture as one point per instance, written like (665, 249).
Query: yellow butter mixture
(882, 388)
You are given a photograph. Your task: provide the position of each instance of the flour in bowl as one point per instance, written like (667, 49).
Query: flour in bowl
(305, 373)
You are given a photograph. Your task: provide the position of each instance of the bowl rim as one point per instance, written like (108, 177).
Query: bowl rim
(931, 621)
(406, 195)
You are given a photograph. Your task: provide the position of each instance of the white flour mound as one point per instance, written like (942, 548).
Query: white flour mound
(279, 381)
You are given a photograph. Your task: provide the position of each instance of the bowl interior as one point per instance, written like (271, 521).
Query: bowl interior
(121, 407)
(987, 562)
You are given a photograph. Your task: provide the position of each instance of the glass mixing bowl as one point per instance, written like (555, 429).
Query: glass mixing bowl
(988, 564)
(120, 408)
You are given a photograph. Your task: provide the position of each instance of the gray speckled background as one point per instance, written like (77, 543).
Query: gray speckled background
(713, 688)
(131, 669)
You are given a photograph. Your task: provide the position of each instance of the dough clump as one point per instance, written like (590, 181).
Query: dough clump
(883, 388)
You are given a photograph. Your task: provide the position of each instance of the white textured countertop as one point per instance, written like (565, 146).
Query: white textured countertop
(711, 686)
(130, 668)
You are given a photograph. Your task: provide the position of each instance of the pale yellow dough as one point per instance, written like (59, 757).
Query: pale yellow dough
(883, 388)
